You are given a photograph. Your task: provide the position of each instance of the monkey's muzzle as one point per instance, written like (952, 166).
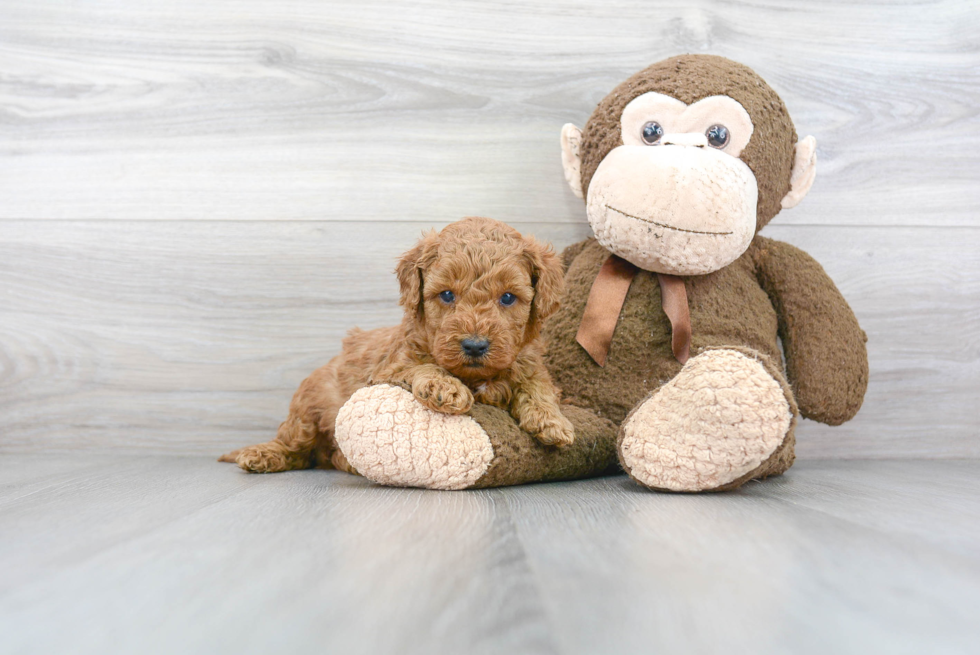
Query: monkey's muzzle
(673, 209)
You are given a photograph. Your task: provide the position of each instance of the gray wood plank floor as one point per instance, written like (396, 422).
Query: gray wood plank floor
(125, 554)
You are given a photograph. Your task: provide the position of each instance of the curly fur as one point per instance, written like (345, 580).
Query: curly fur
(478, 260)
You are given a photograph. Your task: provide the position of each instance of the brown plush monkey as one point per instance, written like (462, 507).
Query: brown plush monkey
(666, 345)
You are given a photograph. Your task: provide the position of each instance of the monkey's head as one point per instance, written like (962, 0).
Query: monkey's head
(682, 164)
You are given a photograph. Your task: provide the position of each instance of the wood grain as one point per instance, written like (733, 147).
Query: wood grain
(180, 554)
(757, 571)
(384, 110)
(200, 198)
(191, 337)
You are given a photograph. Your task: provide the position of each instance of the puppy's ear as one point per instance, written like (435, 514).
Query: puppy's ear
(411, 271)
(547, 277)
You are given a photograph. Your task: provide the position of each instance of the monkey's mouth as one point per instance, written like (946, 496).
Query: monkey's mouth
(664, 225)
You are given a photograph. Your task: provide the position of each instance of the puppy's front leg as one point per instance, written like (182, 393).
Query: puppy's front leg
(437, 389)
(535, 406)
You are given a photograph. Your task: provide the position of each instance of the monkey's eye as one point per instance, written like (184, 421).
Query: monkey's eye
(447, 296)
(651, 133)
(508, 299)
(718, 136)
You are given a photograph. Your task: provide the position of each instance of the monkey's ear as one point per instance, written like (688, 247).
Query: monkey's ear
(571, 140)
(804, 170)
(547, 277)
(411, 271)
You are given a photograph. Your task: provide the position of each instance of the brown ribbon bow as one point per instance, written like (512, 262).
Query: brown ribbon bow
(606, 300)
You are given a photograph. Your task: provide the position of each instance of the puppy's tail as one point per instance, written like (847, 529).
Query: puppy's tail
(230, 457)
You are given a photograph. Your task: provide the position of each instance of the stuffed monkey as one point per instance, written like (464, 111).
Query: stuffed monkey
(666, 347)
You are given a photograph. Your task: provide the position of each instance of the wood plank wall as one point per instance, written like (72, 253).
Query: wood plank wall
(198, 197)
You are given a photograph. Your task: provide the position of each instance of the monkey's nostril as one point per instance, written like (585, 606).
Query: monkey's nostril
(475, 347)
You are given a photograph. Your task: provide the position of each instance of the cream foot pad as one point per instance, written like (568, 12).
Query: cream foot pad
(720, 418)
(393, 440)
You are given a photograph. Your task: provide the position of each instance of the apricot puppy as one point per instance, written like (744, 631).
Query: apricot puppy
(474, 297)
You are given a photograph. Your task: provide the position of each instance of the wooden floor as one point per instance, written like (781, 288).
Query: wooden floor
(125, 554)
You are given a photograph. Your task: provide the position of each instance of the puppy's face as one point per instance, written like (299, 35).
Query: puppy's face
(476, 293)
(476, 312)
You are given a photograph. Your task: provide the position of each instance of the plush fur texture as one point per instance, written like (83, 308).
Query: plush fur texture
(392, 439)
(477, 280)
(690, 78)
(670, 443)
(728, 415)
(519, 459)
(423, 448)
(703, 202)
(771, 291)
(774, 289)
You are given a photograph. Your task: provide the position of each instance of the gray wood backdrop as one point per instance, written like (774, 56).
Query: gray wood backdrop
(198, 197)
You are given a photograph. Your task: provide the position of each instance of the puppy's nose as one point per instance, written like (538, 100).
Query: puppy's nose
(475, 347)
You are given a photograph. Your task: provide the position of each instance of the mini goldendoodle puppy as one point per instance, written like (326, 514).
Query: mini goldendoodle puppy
(474, 297)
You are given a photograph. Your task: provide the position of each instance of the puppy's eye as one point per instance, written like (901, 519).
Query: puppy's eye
(717, 136)
(508, 299)
(651, 133)
(447, 296)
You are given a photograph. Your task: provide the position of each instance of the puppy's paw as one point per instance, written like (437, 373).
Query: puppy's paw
(443, 394)
(550, 429)
(262, 459)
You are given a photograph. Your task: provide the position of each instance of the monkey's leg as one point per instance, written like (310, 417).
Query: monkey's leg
(726, 418)
(391, 439)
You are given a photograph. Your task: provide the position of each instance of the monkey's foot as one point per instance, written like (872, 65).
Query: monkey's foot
(392, 439)
(723, 420)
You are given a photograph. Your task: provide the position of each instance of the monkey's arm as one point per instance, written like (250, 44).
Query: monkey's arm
(826, 357)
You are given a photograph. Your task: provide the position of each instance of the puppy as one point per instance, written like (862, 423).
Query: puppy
(474, 297)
